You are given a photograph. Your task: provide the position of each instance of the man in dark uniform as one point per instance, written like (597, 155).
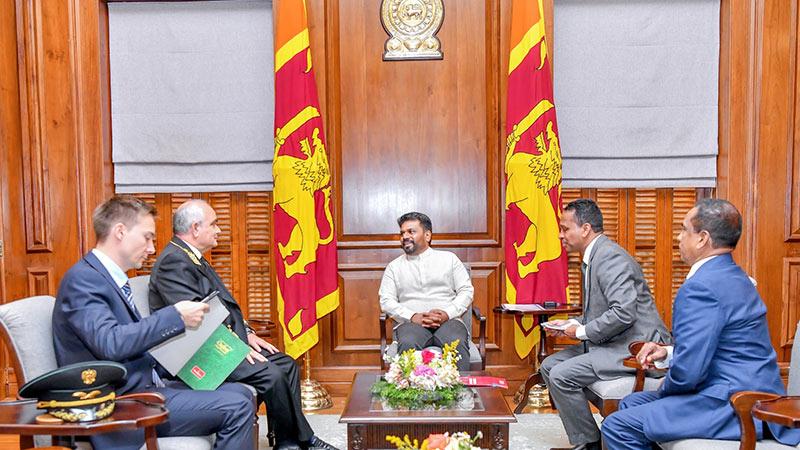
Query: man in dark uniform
(181, 273)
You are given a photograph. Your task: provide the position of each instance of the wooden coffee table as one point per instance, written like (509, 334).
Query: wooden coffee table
(368, 423)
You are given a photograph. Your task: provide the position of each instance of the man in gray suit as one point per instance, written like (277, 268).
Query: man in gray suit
(617, 309)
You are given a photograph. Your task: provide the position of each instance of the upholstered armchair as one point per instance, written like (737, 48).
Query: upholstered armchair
(477, 353)
(746, 404)
(26, 327)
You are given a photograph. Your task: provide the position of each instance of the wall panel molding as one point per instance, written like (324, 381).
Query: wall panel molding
(40, 281)
(793, 151)
(790, 300)
(30, 38)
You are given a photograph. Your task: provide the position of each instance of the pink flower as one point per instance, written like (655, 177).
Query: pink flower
(428, 356)
(421, 370)
(437, 441)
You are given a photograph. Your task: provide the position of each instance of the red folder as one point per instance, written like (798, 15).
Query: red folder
(485, 381)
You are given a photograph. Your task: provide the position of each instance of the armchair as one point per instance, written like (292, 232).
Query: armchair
(26, 327)
(605, 395)
(477, 353)
(784, 410)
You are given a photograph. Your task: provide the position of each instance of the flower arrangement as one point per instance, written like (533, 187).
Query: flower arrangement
(418, 378)
(458, 441)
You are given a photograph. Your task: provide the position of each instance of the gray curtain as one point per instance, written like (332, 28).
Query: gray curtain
(192, 96)
(636, 85)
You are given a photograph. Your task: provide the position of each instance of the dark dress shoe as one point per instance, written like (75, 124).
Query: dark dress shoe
(288, 445)
(317, 443)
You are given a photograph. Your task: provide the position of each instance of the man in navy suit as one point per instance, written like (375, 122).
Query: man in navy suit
(722, 345)
(95, 319)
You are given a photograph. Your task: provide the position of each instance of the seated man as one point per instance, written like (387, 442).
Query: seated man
(617, 310)
(426, 292)
(95, 319)
(722, 345)
(181, 273)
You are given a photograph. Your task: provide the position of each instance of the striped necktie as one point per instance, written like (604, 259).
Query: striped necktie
(126, 289)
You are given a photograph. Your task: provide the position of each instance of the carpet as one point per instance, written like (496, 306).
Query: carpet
(531, 432)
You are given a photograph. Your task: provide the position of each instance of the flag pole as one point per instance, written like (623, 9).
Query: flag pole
(312, 394)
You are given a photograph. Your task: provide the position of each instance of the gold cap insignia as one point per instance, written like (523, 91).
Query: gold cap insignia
(88, 376)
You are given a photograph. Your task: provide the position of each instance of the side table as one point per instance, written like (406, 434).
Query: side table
(19, 417)
(542, 315)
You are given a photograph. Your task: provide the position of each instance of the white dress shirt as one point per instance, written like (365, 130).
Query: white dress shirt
(664, 363)
(434, 279)
(580, 333)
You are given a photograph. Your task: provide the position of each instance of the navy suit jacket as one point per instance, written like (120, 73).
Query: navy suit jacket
(722, 346)
(93, 321)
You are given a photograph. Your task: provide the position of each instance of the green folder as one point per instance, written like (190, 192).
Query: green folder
(214, 360)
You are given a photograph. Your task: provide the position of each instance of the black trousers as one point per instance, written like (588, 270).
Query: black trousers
(277, 383)
(413, 335)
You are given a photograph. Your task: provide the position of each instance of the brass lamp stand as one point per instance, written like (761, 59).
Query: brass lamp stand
(312, 394)
(539, 396)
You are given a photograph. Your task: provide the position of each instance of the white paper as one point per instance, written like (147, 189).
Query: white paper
(174, 353)
(523, 307)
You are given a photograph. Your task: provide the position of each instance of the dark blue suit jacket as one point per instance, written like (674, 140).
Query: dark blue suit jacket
(722, 346)
(93, 321)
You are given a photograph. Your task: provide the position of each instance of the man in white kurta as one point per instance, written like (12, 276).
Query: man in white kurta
(427, 292)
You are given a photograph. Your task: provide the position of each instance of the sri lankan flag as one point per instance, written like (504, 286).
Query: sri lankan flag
(536, 263)
(305, 243)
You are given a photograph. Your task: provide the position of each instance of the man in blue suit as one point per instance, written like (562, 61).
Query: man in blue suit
(95, 319)
(722, 345)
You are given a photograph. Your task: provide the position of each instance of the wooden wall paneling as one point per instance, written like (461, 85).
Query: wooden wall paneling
(790, 300)
(792, 232)
(739, 100)
(35, 187)
(774, 147)
(40, 281)
(51, 140)
(419, 148)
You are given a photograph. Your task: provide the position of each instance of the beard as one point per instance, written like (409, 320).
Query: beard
(409, 249)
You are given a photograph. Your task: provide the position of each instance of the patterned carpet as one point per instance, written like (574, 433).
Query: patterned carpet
(531, 432)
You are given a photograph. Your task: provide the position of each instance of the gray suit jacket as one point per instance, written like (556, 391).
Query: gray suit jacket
(618, 309)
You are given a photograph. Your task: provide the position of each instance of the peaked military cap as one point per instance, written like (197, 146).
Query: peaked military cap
(81, 392)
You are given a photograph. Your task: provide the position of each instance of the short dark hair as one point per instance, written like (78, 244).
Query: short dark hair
(720, 219)
(119, 209)
(424, 220)
(586, 211)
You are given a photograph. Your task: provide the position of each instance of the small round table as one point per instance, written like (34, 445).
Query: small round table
(19, 417)
(542, 315)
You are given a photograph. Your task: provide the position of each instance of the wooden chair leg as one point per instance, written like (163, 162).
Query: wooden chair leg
(150, 438)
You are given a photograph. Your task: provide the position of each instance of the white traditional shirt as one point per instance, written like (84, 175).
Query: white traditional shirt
(434, 279)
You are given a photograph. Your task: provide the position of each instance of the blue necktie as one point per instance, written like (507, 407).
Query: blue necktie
(126, 289)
